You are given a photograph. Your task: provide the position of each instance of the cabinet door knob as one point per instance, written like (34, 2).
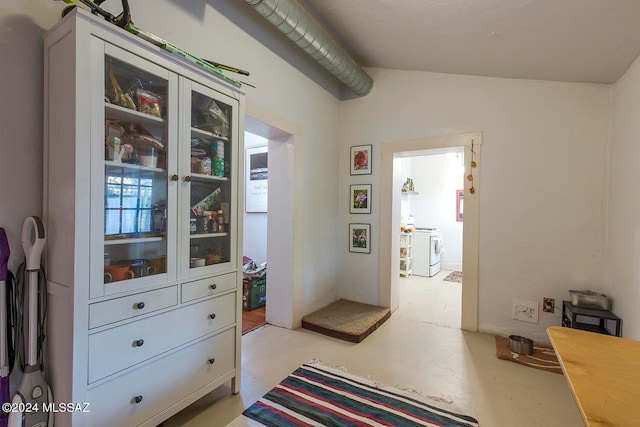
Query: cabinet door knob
(212, 361)
(140, 305)
(173, 177)
(213, 286)
(212, 316)
(186, 178)
(137, 399)
(138, 343)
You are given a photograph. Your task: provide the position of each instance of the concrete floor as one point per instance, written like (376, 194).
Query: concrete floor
(420, 347)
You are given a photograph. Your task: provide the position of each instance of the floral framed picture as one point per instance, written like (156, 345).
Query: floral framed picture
(360, 199)
(360, 238)
(360, 157)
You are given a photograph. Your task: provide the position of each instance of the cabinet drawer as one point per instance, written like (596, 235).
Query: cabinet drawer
(207, 287)
(161, 383)
(118, 348)
(103, 313)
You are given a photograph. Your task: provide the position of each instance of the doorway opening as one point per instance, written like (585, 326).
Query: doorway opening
(283, 238)
(390, 217)
(431, 231)
(254, 242)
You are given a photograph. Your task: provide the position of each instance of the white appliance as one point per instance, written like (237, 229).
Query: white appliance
(427, 247)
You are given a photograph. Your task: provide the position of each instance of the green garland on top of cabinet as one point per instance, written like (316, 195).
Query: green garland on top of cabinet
(165, 45)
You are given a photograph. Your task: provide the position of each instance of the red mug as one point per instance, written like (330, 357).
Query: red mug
(115, 273)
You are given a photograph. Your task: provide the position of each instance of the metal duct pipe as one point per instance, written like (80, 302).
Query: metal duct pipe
(292, 20)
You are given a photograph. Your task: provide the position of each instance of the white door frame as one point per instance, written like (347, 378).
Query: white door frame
(390, 183)
(284, 223)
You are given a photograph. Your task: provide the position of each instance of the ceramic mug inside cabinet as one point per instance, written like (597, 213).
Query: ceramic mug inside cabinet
(141, 268)
(115, 273)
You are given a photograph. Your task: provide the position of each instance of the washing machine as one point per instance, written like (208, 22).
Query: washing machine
(427, 247)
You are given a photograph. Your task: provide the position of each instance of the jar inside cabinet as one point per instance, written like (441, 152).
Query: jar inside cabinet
(210, 181)
(135, 171)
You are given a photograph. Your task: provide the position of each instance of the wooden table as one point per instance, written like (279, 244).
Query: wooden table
(603, 372)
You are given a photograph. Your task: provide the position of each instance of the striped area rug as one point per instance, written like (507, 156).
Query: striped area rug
(316, 395)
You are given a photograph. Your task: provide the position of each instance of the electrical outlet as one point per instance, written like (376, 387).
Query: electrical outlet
(527, 311)
(548, 304)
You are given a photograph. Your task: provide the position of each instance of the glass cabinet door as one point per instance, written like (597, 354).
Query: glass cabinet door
(137, 156)
(209, 187)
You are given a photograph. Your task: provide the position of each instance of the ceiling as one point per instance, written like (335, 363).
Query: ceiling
(562, 40)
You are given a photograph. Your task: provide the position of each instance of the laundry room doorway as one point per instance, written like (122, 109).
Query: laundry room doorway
(392, 180)
(431, 223)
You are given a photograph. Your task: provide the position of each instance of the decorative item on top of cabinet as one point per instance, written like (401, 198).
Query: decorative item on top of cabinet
(150, 289)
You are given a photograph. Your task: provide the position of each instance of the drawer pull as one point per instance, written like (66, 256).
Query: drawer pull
(138, 343)
(213, 286)
(212, 361)
(212, 316)
(139, 305)
(137, 399)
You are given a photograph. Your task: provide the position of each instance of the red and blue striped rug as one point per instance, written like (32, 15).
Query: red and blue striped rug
(316, 395)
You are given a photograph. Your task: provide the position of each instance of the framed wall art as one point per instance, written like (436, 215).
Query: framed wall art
(360, 157)
(459, 205)
(360, 238)
(360, 196)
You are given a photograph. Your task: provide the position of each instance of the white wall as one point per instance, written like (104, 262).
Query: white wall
(623, 238)
(199, 28)
(255, 223)
(22, 24)
(542, 205)
(436, 178)
(542, 217)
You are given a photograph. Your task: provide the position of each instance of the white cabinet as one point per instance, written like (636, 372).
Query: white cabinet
(113, 403)
(406, 254)
(143, 217)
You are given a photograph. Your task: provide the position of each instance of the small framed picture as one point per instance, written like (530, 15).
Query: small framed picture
(360, 199)
(360, 238)
(459, 205)
(360, 156)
